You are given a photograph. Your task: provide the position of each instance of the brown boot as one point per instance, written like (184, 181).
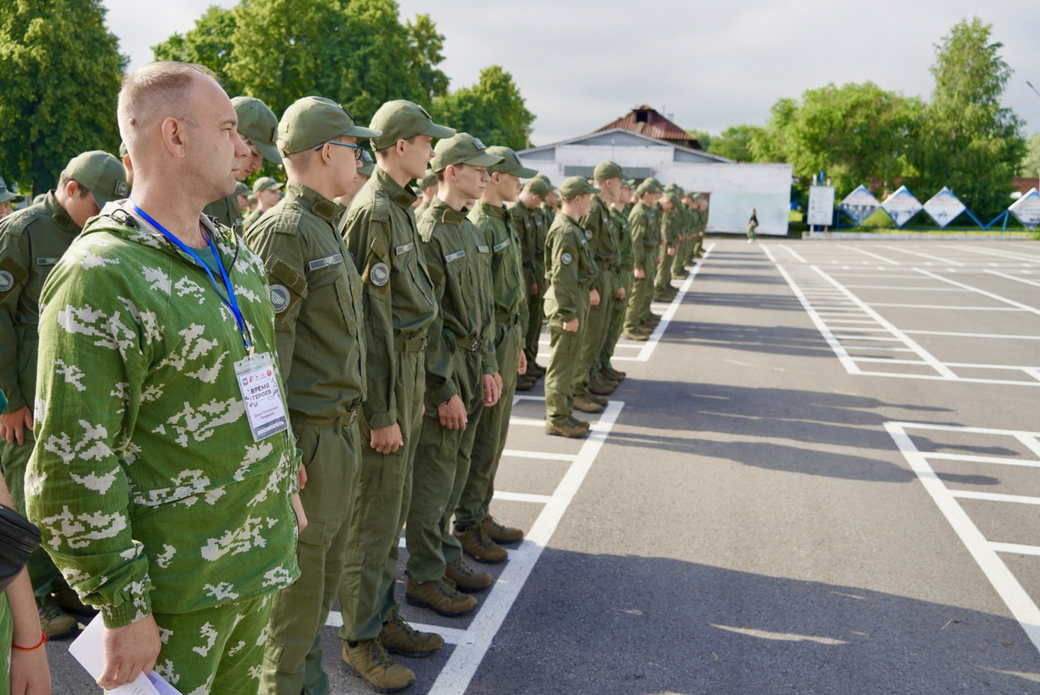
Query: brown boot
(585, 405)
(525, 384)
(569, 428)
(370, 661)
(479, 546)
(439, 596)
(401, 638)
(638, 336)
(602, 387)
(468, 579)
(599, 400)
(500, 533)
(615, 374)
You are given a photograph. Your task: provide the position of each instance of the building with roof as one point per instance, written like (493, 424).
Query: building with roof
(647, 120)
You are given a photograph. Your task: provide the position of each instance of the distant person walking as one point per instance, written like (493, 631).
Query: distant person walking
(752, 225)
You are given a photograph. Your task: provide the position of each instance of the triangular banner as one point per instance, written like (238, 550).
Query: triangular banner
(859, 204)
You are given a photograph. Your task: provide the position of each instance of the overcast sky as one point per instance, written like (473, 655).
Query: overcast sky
(580, 65)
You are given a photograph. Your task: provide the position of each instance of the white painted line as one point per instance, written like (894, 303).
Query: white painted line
(1006, 254)
(456, 675)
(1007, 586)
(1034, 283)
(537, 455)
(864, 337)
(1016, 305)
(889, 360)
(966, 380)
(960, 428)
(522, 497)
(907, 288)
(994, 497)
(849, 321)
(794, 253)
(947, 307)
(1015, 548)
(451, 635)
(975, 365)
(767, 252)
(872, 255)
(836, 347)
(864, 329)
(1030, 442)
(925, 255)
(878, 347)
(997, 460)
(960, 334)
(520, 397)
(526, 422)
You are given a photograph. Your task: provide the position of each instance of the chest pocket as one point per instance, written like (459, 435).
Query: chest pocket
(329, 280)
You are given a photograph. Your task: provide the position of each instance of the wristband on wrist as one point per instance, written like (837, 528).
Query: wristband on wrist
(43, 641)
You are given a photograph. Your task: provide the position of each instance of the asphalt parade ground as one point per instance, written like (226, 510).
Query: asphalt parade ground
(821, 476)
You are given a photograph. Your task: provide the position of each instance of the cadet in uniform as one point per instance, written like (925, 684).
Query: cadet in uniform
(268, 192)
(428, 188)
(571, 272)
(163, 486)
(316, 295)
(475, 527)
(399, 306)
(31, 243)
(624, 279)
(671, 229)
(257, 124)
(645, 234)
(461, 378)
(7, 199)
(529, 220)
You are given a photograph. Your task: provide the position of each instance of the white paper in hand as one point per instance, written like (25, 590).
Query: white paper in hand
(89, 650)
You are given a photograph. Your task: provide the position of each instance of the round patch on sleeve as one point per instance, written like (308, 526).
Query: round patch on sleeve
(566, 259)
(379, 274)
(6, 281)
(279, 298)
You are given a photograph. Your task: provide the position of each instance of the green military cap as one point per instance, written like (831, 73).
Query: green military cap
(575, 186)
(368, 165)
(402, 119)
(510, 163)
(543, 177)
(313, 121)
(538, 186)
(257, 123)
(102, 173)
(461, 148)
(266, 183)
(242, 189)
(251, 199)
(7, 196)
(607, 170)
(429, 180)
(648, 186)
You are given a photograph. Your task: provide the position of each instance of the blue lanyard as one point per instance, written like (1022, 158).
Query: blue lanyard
(231, 301)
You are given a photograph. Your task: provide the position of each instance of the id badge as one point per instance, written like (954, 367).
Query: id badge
(262, 395)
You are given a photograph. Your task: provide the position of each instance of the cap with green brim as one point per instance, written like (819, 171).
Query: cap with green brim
(266, 183)
(575, 186)
(461, 148)
(312, 121)
(538, 186)
(100, 172)
(242, 189)
(648, 186)
(257, 123)
(607, 170)
(510, 163)
(402, 119)
(6, 196)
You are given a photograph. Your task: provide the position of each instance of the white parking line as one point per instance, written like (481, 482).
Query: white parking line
(794, 253)
(522, 497)
(1018, 601)
(456, 675)
(912, 289)
(821, 325)
(945, 306)
(1018, 305)
(451, 635)
(926, 255)
(1034, 283)
(536, 455)
(961, 334)
(994, 497)
(1007, 254)
(1016, 548)
(872, 255)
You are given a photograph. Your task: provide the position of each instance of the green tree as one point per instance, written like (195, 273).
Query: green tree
(735, 143)
(702, 136)
(426, 53)
(60, 80)
(207, 43)
(1031, 163)
(970, 143)
(493, 110)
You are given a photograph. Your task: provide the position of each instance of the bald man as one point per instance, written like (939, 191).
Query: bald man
(165, 473)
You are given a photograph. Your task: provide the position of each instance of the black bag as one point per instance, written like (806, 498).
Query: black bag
(19, 538)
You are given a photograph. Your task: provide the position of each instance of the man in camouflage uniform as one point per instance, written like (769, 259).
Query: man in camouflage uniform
(7, 199)
(461, 378)
(624, 278)
(31, 243)
(257, 125)
(428, 187)
(399, 306)
(316, 295)
(646, 241)
(475, 527)
(671, 231)
(571, 272)
(164, 474)
(527, 216)
(267, 192)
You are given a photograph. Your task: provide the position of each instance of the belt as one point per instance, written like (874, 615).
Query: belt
(409, 343)
(469, 342)
(342, 420)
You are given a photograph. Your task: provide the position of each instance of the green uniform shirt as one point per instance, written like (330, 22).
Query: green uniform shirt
(146, 483)
(646, 236)
(605, 237)
(316, 295)
(624, 243)
(671, 227)
(506, 264)
(31, 242)
(456, 257)
(570, 269)
(530, 226)
(225, 211)
(399, 303)
(250, 218)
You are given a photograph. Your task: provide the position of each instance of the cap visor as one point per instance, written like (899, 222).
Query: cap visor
(525, 173)
(483, 160)
(7, 197)
(101, 200)
(438, 132)
(359, 132)
(269, 152)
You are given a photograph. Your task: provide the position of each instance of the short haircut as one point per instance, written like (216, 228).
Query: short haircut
(64, 178)
(382, 152)
(157, 90)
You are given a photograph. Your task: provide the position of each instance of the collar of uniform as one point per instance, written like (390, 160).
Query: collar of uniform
(58, 214)
(493, 210)
(313, 201)
(446, 213)
(395, 191)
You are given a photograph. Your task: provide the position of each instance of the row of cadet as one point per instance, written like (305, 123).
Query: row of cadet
(404, 319)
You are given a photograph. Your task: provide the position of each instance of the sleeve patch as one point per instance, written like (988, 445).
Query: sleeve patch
(566, 258)
(279, 298)
(379, 274)
(6, 281)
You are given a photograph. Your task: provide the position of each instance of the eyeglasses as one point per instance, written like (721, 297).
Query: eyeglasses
(359, 150)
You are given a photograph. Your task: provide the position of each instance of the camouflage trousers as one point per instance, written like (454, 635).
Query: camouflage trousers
(216, 651)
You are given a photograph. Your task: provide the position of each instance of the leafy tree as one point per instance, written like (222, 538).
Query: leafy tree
(492, 110)
(735, 143)
(208, 43)
(702, 136)
(970, 143)
(427, 46)
(1031, 163)
(60, 79)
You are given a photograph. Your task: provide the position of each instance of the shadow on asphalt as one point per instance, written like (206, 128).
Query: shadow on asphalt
(750, 279)
(610, 624)
(776, 340)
